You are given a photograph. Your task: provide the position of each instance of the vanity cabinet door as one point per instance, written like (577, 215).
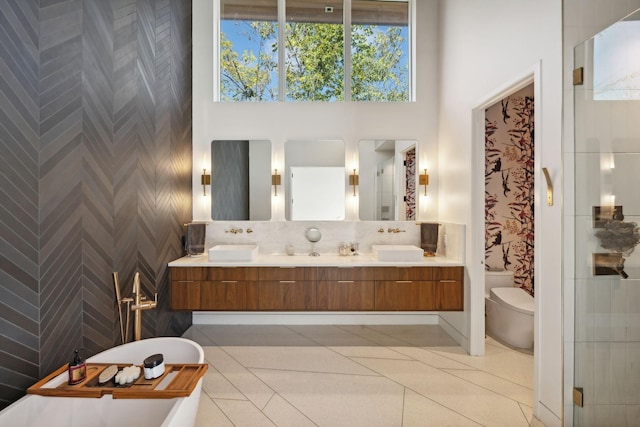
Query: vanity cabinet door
(404, 273)
(284, 295)
(283, 288)
(345, 295)
(210, 288)
(404, 289)
(449, 288)
(345, 289)
(184, 295)
(405, 295)
(222, 295)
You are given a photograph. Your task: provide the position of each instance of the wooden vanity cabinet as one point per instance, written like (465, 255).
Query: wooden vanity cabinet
(184, 295)
(184, 288)
(210, 288)
(404, 289)
(449, 292)
(345, 289)
(317, 288)
(283, 289)
(419, 288)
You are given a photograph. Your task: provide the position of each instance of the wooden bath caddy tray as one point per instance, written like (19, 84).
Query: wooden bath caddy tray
(178, 380)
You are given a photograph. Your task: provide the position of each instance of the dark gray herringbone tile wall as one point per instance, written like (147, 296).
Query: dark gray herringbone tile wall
(95, 133)
(19, 233)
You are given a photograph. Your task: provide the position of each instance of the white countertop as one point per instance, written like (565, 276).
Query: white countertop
(304, 260)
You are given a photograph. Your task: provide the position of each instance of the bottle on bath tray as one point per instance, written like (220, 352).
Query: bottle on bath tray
(77, 369)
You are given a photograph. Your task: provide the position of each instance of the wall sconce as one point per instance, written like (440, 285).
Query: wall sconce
(276, 179)
(353, 181)
(424, 180)
(205, 179)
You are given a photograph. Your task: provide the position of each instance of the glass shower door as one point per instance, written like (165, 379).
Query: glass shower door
(607, 214)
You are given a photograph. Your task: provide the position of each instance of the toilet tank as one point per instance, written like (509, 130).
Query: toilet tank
(497, 279)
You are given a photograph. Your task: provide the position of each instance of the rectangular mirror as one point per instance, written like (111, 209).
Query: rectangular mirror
(315, 180)
(388, 179)
(241, 180)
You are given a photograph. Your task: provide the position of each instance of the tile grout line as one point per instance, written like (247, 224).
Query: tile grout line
(225, 377)
(383, 334)
(373, 374)
(524, 415)
(252, 374)
(296, 408)
(485, 388)
(219, 408)
(404, 400)
(487, 373)
(473, 368)
(420, 394)
(431, 400)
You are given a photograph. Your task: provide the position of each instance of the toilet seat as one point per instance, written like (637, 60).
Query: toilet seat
(514, 298)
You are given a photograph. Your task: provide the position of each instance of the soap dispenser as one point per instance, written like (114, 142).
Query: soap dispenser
(77, 369)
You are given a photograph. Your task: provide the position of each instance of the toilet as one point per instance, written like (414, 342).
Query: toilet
(509, 310)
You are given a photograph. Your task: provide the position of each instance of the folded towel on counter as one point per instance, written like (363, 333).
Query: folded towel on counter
(194, 242)
(429, 238)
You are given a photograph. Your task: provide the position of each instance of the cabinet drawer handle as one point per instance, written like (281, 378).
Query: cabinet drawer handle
(229, 281)
(287, 281)
(345, 281)
(448, 281)
(285, 267)
(404, 281)
(185, 281)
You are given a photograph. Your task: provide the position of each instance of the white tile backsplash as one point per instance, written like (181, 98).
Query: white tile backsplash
(272, 236)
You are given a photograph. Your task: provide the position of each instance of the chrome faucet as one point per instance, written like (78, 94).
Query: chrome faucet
(235, 231)
(395, 230)
(140, 303)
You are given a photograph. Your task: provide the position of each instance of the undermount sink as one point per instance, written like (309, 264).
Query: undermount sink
(233, 253)
(397, 252)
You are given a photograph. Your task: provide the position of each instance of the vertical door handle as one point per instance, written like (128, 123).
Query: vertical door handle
(549, 187)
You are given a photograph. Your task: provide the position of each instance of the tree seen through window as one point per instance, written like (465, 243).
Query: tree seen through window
(314, 56)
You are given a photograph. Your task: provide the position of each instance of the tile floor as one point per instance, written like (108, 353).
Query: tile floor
(358, 376)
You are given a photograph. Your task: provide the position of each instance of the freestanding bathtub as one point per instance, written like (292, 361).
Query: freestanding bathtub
(35, 410)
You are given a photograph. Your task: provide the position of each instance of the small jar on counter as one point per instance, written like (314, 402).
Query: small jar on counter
(153, 366)
(344, 249)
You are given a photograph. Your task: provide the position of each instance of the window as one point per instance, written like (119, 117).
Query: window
(248, 50)
(379, 50)
(361, 54)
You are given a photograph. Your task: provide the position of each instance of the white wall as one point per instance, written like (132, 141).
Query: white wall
(347, 121)
(485, 46)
